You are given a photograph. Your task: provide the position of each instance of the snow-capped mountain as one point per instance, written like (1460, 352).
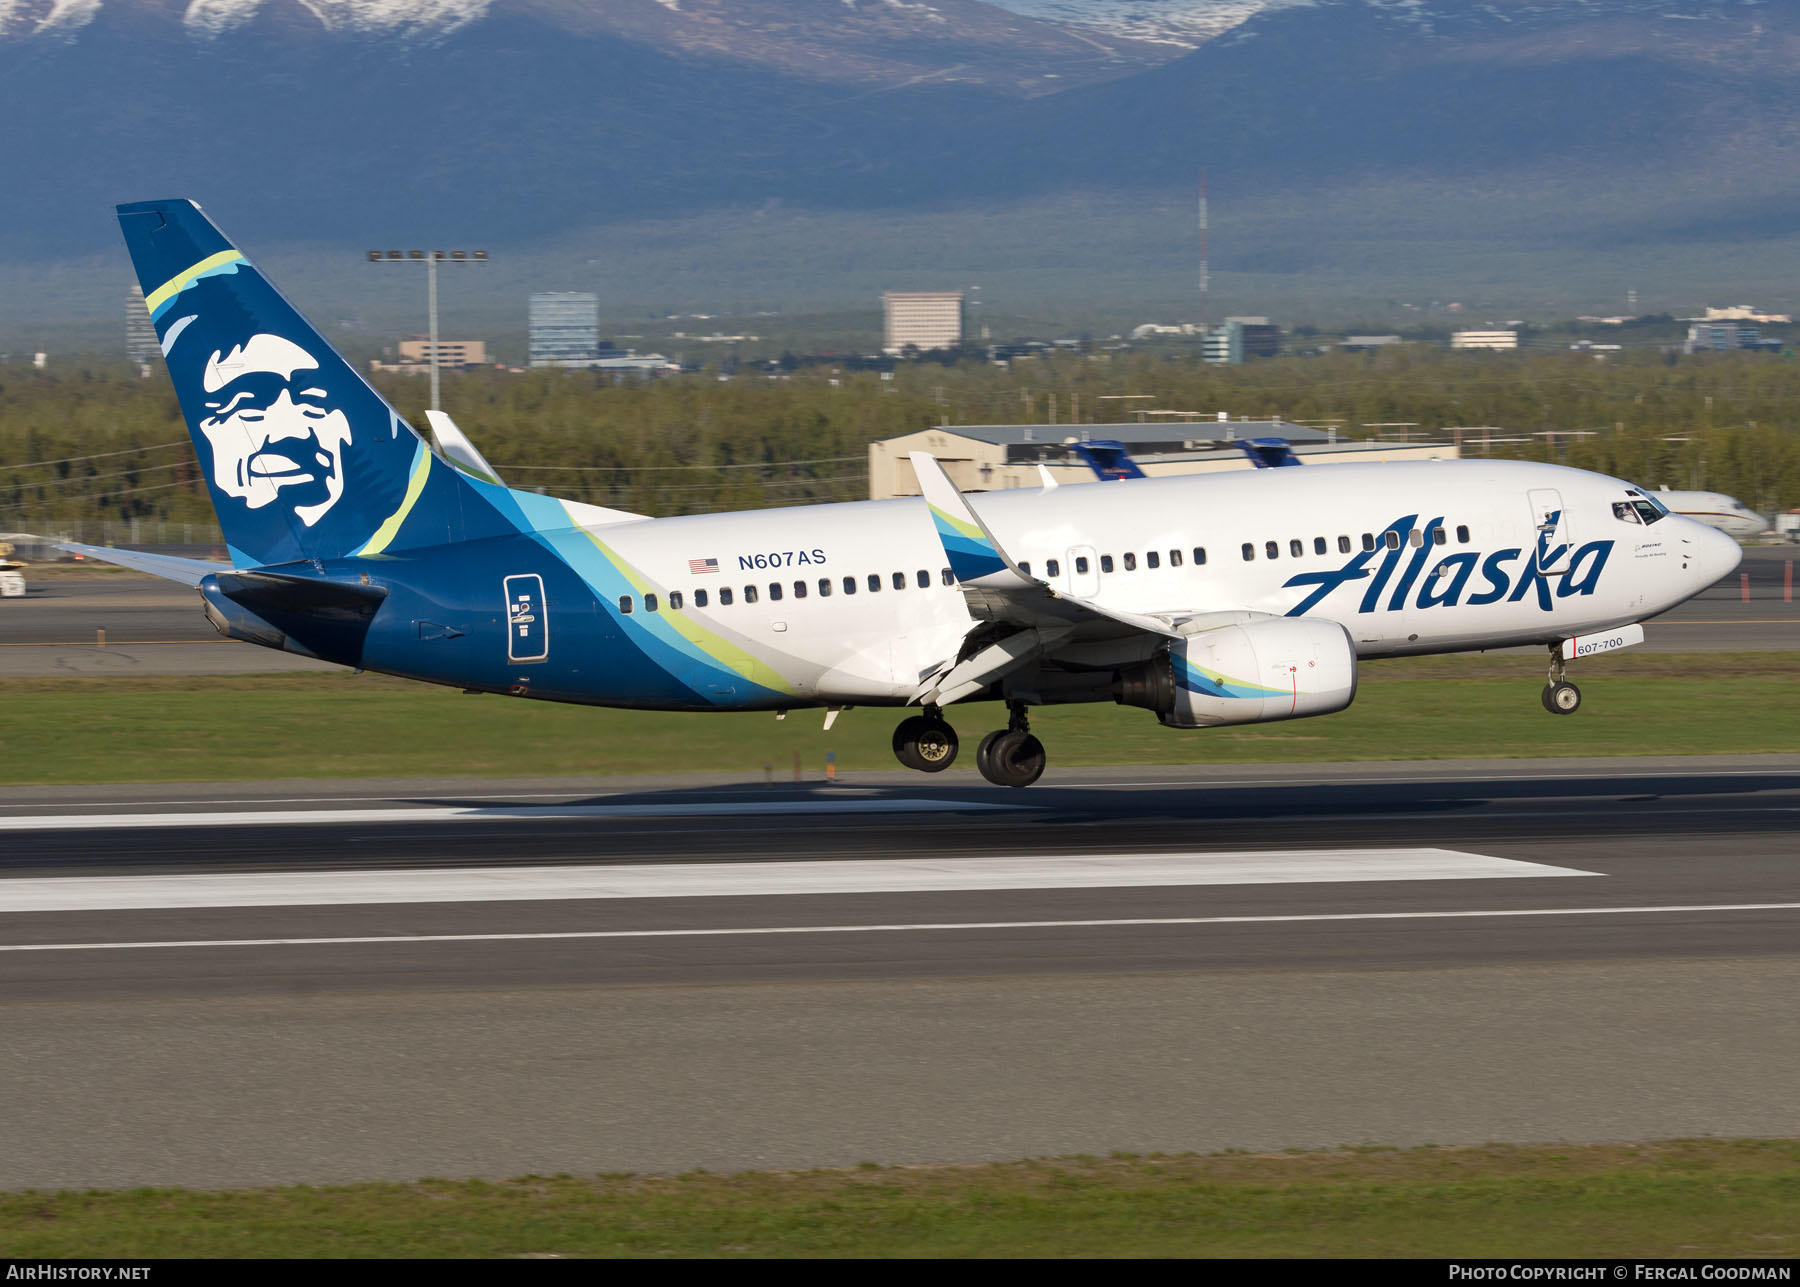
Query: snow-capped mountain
(1183, 23)
(871, 43)
(526, 118)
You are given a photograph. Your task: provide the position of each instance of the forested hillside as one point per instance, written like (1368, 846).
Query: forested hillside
(98, 442)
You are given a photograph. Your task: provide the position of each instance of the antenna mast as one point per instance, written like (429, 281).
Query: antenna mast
(1205, 271)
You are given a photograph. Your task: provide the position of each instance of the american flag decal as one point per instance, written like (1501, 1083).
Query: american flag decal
(697, 567)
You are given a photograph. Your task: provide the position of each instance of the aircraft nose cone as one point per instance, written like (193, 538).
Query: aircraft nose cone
(1716, 554)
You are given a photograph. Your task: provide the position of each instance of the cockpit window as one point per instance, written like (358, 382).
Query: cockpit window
(1649, 509)
(1625, 512)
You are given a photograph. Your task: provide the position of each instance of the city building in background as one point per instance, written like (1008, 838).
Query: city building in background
(565, 328)
(1231, 342)
(140, 335)
(921, 320)
(1725, 337)
(982, 458)
(1742, 313)
(453, 355)
(1238, 338)
(1484, 340)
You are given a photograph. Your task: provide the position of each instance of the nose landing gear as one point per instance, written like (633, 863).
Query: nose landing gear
(1560, 697)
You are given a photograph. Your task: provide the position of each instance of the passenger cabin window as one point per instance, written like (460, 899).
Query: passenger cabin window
(1318, 545)
(1152, 559)
(1249, 551)
(1368, 541)
(1052, 568)
(1023, 567)
(1392, 539)
(699, 598)
(824, 587)
(874, 582)
(1081, 564)
(674, 601)
(799, 589)
(774, 591)
(1131, 563)
(1343, 545)
(1415, 538)
(849, 585)
(947, 577)
(1296, 548)
(1106, 564)
(1199, 555)
(649, 603)
(899, 580)
(724, 596)
(625, 605)
(1462, 534)
(1174, 558)
(1439, 536)
(1272, 549)
(750, 594)
(924, 578)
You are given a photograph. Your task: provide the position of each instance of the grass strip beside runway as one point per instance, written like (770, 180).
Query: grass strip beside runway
(339, 725)
(1679, 1199)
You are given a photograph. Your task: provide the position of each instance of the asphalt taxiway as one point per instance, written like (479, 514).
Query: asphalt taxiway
(280, 982)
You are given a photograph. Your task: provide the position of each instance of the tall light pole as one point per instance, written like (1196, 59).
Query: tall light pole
(430, 258)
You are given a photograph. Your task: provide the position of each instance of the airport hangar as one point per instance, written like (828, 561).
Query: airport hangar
(986, 458)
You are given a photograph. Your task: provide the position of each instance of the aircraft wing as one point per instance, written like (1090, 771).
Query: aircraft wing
(1021, 617)
(187, 571)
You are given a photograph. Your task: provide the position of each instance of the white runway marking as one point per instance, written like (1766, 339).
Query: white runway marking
(749, 931)
(485, 813)
(730, 880)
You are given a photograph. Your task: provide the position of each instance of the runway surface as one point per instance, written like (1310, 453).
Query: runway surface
(156, 627)
(279, 982)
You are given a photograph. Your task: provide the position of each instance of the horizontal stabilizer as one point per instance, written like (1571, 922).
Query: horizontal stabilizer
(168, 566)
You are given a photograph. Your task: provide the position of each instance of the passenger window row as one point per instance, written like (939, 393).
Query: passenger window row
(1391, 539)
(777, 591)
(1152, 560)
(1125, 562)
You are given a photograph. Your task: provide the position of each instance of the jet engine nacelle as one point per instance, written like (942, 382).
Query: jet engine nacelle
(1281, 668)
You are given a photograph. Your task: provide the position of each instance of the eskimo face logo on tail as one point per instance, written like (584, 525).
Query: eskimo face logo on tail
(275, 433)
(1391, 573)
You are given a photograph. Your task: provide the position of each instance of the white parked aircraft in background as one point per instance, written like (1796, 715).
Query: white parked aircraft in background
(1207, 599)
(1716, 509)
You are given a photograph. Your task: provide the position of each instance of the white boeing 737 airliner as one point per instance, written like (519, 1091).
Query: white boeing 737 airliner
(1212, 599)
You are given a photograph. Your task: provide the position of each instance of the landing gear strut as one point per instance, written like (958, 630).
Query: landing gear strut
(1011, 756)
(1560, 696)
(925, 742)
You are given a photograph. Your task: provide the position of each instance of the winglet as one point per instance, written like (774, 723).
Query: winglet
(973, 553)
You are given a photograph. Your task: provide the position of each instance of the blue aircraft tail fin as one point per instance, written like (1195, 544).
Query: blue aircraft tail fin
(1109, 460)
(1269, 453)
(304, 459)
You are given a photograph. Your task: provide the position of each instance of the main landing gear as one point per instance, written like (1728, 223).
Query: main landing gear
(1560, 696)
(1009, 756)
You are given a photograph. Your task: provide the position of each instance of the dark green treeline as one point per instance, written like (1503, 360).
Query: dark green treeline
(96, 442)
